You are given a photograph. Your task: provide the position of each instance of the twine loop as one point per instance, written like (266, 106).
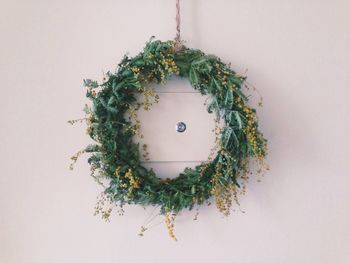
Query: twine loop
(178, 41)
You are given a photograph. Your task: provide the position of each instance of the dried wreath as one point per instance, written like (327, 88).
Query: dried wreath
(112, 123)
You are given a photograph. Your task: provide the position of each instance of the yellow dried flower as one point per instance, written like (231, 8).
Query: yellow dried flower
(169, 222)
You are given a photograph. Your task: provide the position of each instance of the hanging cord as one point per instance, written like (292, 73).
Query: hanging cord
(178, 42)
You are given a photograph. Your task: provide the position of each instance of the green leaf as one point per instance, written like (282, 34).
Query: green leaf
(213, 106)
(226, 136)
(193, 189)
(193, 77)
(229, 99)
(237, 81)
(116, 86)
(132, 83)
(126, 73)
(102, 101)
(91, 148)
(235, 139)
(235, 120)
(111, 109)
(90, 83)
(199, 61)
(240, 93)
(217, 84)
(202, 65)
(139, 63)
(238, 119)
(111, 100)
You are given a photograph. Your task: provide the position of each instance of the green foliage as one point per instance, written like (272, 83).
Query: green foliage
(116, 157)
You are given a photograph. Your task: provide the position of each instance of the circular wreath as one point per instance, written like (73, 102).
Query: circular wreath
(112, 124)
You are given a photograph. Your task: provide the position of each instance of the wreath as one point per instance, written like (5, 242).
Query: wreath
(112, 123)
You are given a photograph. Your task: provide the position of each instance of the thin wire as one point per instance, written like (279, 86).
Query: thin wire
(149, 218)
(156, 224)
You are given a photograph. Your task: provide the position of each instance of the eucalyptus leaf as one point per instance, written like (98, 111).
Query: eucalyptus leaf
(193, 76)
(229, 99)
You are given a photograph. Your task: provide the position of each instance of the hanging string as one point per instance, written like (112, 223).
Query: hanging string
(178, 43)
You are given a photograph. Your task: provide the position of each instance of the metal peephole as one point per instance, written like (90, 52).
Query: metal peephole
(180, 126)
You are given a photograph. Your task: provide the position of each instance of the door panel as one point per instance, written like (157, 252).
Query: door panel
(171, 151)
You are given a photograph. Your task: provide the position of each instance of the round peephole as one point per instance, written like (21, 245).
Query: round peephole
(180, 127)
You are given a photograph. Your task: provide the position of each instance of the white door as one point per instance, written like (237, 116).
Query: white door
(170, 151)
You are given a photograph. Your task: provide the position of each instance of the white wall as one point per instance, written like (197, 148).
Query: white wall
(297, 55)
